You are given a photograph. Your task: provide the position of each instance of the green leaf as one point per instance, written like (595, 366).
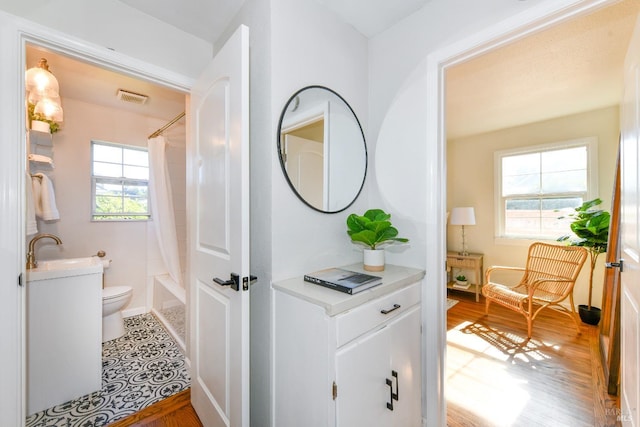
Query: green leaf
(373, 228)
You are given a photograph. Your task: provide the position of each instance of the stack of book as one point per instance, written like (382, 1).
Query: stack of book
(339, 279)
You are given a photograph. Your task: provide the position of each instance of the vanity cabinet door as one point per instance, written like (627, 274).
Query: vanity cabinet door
(373, 368)
(362, 368)
(405, 360)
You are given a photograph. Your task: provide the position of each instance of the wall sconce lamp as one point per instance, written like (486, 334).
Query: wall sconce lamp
(463, 216)
(43, 91)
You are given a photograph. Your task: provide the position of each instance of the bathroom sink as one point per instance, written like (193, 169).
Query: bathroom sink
(53, 269)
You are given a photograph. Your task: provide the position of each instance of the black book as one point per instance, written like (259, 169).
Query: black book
(342, 280)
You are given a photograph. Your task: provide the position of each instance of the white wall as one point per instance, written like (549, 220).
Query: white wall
(470, 180)
(126, 243)
(118, 27)
(310, 45)
(397, 71)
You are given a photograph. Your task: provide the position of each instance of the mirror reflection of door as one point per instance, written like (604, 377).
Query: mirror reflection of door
(304, 150)
(305, 160)
(322, 149)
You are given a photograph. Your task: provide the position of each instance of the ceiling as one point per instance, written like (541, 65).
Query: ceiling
(207, 19)
(571, 68)
(567, 69)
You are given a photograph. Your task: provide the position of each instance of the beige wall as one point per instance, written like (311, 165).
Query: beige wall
(131, 246)
(470, 179)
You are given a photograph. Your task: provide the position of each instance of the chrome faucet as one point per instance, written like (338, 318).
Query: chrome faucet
(31, 255)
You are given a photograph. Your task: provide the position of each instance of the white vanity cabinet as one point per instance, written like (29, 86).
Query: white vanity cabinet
(348, 360)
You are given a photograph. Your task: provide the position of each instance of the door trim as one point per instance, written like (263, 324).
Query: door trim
(15, 33)
(535, 19)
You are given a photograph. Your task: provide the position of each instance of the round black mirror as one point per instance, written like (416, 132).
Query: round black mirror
(322, 149)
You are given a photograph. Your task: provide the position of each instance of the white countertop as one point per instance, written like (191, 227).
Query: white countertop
(335, 302)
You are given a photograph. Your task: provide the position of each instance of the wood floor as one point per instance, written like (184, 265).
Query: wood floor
(175, 411)
(497, 377)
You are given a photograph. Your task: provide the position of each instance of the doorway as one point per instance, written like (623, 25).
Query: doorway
(72, 164)
(485, 239)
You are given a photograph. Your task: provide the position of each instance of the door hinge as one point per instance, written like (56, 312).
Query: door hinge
(20, 283)
(334, 390)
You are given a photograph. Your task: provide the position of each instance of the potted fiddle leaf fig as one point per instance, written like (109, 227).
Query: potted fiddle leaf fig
(590, 227)
(374, 231)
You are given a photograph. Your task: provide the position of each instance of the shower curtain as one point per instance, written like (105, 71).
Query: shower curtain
(162, 207)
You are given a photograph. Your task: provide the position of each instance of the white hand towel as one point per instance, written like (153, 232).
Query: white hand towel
(32, 224)
(48, 209)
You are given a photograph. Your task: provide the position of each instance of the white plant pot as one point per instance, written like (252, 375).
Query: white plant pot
(374, 259)
(40, 126)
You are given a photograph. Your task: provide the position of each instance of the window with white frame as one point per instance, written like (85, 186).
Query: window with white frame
(120, 182)
(536, 187)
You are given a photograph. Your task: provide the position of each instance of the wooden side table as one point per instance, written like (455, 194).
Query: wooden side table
(466, 262)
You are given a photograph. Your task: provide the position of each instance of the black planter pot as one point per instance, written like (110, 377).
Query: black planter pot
(589, 316)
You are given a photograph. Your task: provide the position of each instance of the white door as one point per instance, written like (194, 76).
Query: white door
(218, 188)
(305, 168)
(630, 238)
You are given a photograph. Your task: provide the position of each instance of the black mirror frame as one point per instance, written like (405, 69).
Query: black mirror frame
(283, 167)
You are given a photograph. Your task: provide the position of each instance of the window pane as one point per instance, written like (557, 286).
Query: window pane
(108, 189)
(555, 222)
(522, 217)
(564, 160)
(136, 157)
(521, 164)
(120, 177)
(107, 169)
(521, 184)
(108, 204)
(136, 172)
(565, 182)
(107, 153)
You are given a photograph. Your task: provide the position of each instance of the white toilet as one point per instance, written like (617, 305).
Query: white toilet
(113, 299)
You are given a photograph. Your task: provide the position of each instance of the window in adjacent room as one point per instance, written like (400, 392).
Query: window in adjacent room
(120, 182)
(537, 185)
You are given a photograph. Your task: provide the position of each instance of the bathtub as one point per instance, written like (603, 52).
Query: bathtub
(169, 306)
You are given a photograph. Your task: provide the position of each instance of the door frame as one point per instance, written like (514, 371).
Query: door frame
(15, 34)
(434, 318)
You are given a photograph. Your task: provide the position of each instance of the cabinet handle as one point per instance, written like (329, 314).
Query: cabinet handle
(395, 395)
(390, 402)
(395, 307)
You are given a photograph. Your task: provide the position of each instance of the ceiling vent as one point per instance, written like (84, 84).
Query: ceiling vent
(134, 98)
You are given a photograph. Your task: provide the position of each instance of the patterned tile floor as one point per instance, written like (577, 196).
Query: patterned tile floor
(138, 369)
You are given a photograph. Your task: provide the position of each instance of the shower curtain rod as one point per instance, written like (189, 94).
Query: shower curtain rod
(165, 127)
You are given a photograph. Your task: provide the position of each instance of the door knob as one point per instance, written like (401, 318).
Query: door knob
(234, 281)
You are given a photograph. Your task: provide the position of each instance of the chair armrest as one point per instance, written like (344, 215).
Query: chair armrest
(499, 267)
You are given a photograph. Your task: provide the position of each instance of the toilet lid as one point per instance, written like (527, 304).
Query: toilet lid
(115, 291)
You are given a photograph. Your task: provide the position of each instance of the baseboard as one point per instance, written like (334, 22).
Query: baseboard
(135, 311)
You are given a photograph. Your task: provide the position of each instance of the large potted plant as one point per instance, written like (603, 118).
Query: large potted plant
(590, 228)
(374, 231)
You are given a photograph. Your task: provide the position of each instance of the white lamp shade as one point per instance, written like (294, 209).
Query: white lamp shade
(462, 216)
(50, 108)
(41, 82)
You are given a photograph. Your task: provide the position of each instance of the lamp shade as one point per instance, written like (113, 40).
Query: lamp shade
(40, 81)
(462, 216)
(50, 108)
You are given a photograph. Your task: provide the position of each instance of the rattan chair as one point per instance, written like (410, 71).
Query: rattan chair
(548, 279)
